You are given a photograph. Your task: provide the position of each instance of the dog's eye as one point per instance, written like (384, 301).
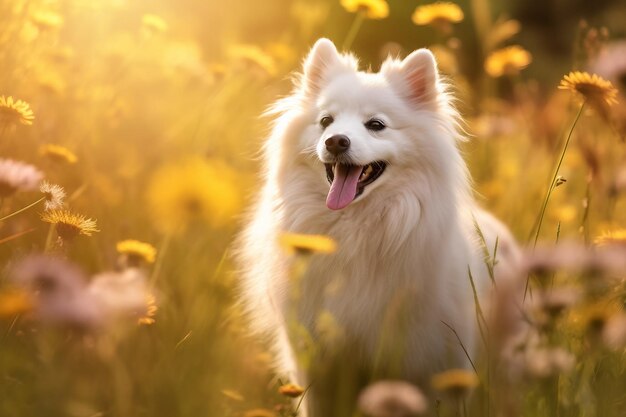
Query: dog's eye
(375, 125)
(326, 121)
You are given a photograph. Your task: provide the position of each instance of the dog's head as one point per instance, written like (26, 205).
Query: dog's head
(368, 128)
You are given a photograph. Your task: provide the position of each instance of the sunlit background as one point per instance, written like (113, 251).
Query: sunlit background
(148, 115)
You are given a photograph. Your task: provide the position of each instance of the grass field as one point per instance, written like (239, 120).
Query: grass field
(118, 298)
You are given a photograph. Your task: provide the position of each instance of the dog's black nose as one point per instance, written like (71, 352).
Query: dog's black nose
(337, 144)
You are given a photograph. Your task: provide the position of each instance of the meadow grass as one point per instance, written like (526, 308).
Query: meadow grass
(118, 297)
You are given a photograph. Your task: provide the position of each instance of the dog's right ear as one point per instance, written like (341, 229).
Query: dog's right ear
(321, 59)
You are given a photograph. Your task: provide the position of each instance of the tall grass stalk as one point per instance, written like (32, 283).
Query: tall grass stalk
(22, 209)
(354, 30)
(551, 187)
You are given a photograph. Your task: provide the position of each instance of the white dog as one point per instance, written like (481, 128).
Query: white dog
(371, 160)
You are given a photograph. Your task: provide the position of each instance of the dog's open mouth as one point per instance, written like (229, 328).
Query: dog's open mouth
(347, 182)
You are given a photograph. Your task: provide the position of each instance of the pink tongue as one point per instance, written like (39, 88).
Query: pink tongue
(343, 189)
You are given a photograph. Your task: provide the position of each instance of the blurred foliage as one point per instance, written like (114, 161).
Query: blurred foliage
(147, 114)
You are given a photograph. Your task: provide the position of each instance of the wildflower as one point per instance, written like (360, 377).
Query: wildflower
(14, 302)
(232, 395)
(13, 112)
(545, 362)
(614, 333)
(291, 390)
(46, 19)
(440, 15)
(254, 56)
(58, 290)
(68, 224)
(307, 244)
(17, 176)
(373, 9)
(194, 190)
(153, 23)
(151, 309)
(595, 316)
(611, 62)
(611, 237)
(507, 61)
(259, 412)
(554, 302)
(392, 398)
(593, 88)
(456, 382)
(53, 194)
(58, 153)
(124, 295)
(136, 251)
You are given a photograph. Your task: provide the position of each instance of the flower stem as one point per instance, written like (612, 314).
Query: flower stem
(354, 30)
(22, 209)
(552, 184)
(165, 243)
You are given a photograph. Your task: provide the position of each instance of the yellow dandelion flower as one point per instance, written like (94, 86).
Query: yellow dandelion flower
(591, 87)
(254, 56)
(291, 390)
(15, 111)
(68, 224)
(456, 382)
(153, 23)
(307, 244)
(136, 251)
(611, 237)
(232, 395)
(373, 9)
(507, 61)
(58, 153)
(194, 190)
(13, 302)
(151, 309)
(437, 14)
(259, 412)
(46, 19)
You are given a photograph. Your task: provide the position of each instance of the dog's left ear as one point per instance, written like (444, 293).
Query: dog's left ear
(322, 58)
(419, 76)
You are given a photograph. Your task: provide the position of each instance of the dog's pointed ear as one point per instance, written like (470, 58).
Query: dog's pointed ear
(420, 76)
(321, 59)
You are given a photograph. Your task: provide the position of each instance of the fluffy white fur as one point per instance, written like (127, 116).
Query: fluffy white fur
(405, 245)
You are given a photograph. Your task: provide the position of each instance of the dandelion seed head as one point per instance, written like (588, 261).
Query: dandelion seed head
(392, 399)
(124, 295)
(545, 362)
(17, 176)
(54, 195)
(58, 289)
